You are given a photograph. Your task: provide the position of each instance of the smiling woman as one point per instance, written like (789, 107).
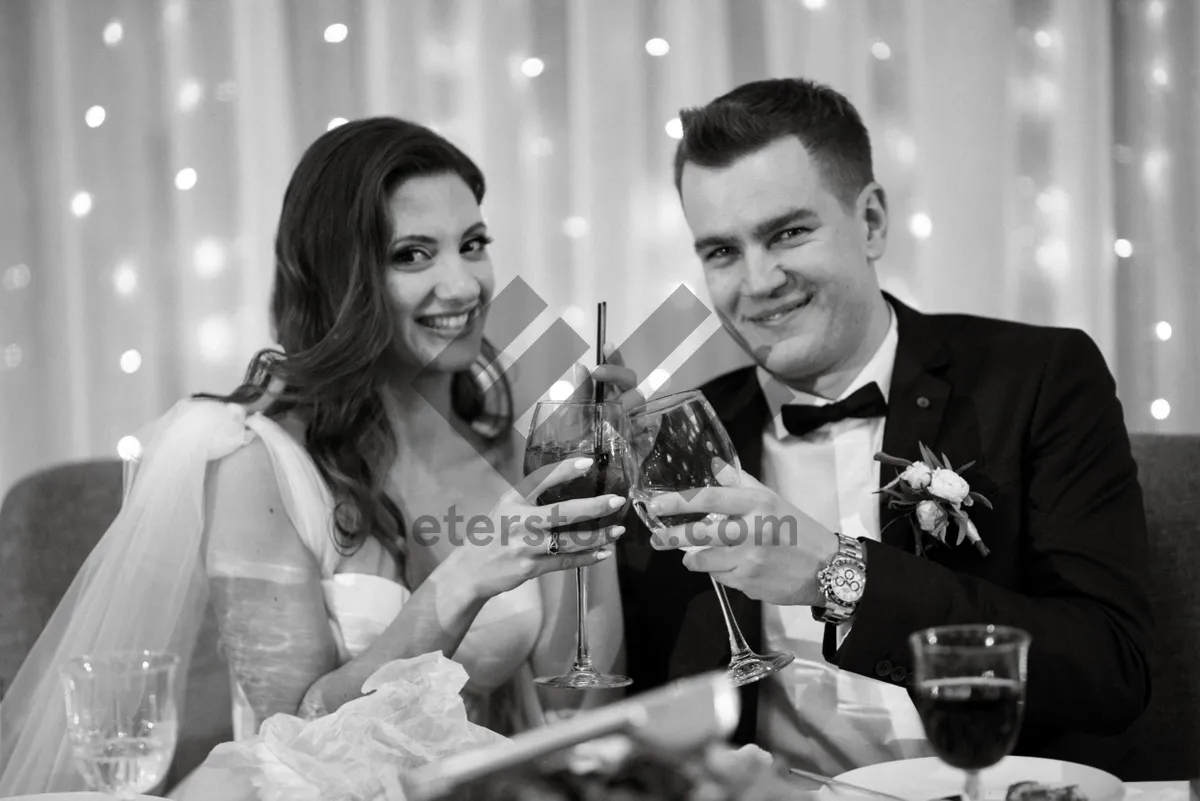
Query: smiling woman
(287, 503)
(439, 276)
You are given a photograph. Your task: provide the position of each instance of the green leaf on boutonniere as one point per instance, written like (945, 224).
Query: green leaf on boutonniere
(960, 470)
(893, 493)
(892, 460)
(975, 496)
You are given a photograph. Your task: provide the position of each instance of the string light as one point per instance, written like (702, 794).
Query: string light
(12, 356)
(209, 257)
(16, 277)
(335, 122)
(94, 116)
(658, 47)
(881, 50)
(920, 225)
(131, 360)
(1054, 257)
(532, 67)
(575, 317)
(125, 279)
(560, 390)
(185, 179)
(1043, 39)
(215, 337)
(1160, 409)
(1123, 248)
(114, 32)
(813, 5)
(190, 94)
(129, 448)
(674, 128)
(81, 204)
(336, 33)
(575, 227)
(1154, 10)
(1159, 74)
(1163, 330)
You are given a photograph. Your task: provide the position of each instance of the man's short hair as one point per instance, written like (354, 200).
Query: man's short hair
(756, 114)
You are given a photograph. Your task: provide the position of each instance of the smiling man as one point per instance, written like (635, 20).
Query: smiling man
(777, 185)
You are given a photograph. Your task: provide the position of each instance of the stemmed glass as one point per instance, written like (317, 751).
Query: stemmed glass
(121, 719)
(970, 693)
(598, 430)
(676, 438)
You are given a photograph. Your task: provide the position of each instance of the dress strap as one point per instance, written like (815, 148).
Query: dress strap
(306, 497)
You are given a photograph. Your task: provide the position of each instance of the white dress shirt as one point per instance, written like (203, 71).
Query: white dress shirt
(811, 713)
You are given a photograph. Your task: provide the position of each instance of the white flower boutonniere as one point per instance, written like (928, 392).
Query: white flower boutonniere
(934, 494)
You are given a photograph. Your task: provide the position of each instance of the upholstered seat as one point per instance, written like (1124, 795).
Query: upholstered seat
(49, 523)
(1169, 731)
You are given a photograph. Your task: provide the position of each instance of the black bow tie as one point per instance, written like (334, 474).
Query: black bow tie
(800, 419)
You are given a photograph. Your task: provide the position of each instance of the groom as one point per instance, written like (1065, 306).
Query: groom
(776, 182)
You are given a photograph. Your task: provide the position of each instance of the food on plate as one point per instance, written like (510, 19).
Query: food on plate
(1034, 791)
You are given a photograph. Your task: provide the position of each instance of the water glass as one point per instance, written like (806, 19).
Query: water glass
(122, 719)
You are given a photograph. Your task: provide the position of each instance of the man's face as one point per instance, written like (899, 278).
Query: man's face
(789, 269)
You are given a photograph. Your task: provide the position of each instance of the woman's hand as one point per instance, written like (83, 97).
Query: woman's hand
(518, 544)
(614, 373)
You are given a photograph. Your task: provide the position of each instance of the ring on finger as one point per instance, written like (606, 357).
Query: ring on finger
(552, 544)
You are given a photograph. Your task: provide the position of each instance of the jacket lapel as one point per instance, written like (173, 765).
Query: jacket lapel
(916, 406)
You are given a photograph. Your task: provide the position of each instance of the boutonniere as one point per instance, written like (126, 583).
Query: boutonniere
(933, 494)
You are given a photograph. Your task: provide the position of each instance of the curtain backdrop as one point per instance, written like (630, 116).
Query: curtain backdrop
(1039, 156)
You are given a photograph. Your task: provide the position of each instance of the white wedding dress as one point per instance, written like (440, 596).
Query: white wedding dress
(145, 586)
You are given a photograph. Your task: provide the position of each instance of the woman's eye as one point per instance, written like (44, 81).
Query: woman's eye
(410, 256)
(477, 245)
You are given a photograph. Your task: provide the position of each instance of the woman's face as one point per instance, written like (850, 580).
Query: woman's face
(439, 274)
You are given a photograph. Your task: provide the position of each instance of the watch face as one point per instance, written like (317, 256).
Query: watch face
(847, 584)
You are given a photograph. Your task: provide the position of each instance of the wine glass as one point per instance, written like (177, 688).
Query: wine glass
(121, 719)
(676, 438)
(598, 430)
(970, 693)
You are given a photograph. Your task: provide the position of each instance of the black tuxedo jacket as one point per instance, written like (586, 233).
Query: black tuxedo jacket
(1036, 409)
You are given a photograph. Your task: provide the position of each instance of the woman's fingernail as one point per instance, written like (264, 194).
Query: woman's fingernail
(618, 531)
(603, 554)
(583, 464)
(616, 502)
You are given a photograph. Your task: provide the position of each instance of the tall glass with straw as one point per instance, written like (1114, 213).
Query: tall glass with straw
(599, 430)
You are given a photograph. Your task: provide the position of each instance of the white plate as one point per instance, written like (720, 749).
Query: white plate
(929, 778)
(80, 796)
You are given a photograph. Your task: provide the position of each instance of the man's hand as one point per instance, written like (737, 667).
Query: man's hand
(767, 548)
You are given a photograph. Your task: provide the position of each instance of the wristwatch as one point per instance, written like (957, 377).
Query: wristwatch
(843, 581)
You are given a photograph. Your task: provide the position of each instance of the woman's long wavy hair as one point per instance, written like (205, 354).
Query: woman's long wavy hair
(331, 316)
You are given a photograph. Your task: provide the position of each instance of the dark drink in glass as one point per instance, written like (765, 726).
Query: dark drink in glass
(970, 693)
(972, 723)
(599, 430)
(607, 476)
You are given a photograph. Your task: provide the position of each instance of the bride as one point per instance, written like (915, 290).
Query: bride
(300, 506)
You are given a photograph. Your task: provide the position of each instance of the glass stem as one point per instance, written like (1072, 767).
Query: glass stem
(737, 643)
(973, 791)
(583, 657)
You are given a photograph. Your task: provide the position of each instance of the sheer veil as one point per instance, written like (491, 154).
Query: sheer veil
(143, 587)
